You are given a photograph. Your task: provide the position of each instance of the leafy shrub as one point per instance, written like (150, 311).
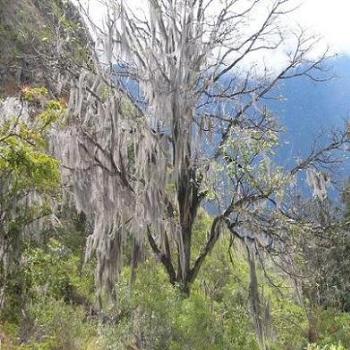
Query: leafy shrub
(334, 327)
(156, 315)
(34, 94)
(58, 326)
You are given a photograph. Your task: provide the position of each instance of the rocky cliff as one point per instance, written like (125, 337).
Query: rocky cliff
(40, 41)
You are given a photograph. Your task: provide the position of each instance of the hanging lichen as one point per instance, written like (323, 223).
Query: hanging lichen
(143, 162)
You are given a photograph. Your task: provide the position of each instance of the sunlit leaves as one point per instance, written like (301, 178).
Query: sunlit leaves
(29, 176)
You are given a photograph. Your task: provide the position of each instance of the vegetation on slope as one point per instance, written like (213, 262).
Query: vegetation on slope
(39, 41)
(59, 311)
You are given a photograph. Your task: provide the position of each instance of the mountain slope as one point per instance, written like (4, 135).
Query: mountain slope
(39, 40)
(310, 109)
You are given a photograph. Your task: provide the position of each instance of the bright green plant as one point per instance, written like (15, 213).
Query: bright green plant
(34, 94)
(29, 181)
(326, 347)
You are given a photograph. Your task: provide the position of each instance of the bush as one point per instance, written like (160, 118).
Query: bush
(334, 327)
(58, 326)
(156, 315)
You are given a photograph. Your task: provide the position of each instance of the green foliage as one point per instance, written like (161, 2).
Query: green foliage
(29, 180)
(290, 323)
(57, 325)
(29, 32)
(23, 156)
(152, 314)
(333, 327)
(53, 113)
(57, 273)
(157, 313)
(214, 316)
(326, 347)
(62, 17)
(59, 294)
(34, 94)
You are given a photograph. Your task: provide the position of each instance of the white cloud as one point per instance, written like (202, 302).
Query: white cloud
(331, 19)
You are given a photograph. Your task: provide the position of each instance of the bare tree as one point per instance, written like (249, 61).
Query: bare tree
(198, 133)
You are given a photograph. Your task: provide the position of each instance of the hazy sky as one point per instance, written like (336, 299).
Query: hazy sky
(329, 18)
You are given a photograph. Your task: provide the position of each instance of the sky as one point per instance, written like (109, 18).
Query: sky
(328, 18)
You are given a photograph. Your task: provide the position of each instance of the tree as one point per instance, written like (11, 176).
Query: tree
(198, 134)
(29, 179)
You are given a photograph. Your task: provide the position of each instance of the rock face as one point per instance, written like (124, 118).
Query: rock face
(39, 40)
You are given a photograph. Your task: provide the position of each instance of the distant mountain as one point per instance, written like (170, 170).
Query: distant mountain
(310, 109)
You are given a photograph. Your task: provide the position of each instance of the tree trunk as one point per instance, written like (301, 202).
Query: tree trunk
(188, 200)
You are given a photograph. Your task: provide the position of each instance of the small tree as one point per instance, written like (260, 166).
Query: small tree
(198, 134)
(29, 179)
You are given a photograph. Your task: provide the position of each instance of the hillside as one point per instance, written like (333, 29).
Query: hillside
(39, 41)
(310, 109)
